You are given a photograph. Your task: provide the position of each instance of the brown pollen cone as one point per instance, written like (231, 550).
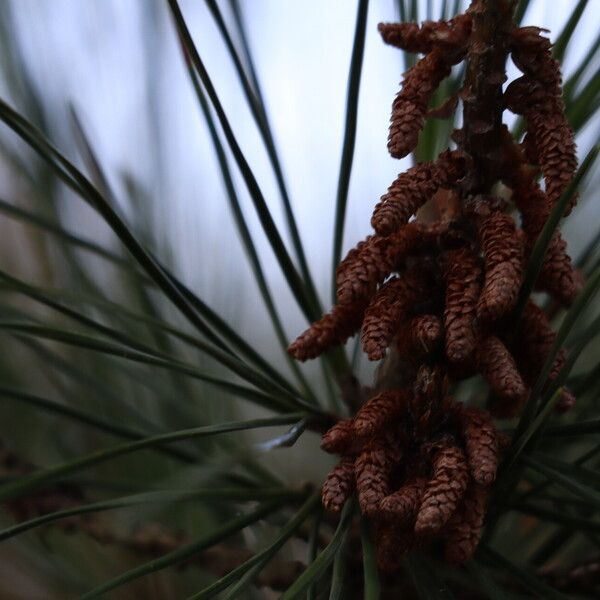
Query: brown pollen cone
(363, 268)
(461, 274)
(403, 505)
(331, 330)
(383, 317)
(534, 341)
(372, 468)
(503, 256)
(463, 531)
(411, 189)
(410, 105)
(338, 485)
(539, 99)
(556, 151)
(426, 333)
(557, 275)
(498, 368)
(412, 239)
(408, 36)
(444, 491)
(373, 259)
(339, 438)
(380, 410)
(481, 443)
(451, 35)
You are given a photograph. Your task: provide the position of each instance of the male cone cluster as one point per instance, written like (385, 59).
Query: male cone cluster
(421, 465)
(442, 293)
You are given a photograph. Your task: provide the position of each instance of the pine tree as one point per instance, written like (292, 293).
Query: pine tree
(454, 471)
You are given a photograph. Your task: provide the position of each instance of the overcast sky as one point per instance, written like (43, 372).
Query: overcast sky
(118, 62)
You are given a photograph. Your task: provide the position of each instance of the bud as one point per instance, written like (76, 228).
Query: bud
(566, 401)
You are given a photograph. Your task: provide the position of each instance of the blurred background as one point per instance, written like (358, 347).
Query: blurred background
(116, 68)
(119, 64)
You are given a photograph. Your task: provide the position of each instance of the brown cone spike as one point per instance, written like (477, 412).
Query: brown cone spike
(389, 307)
(383, 317)
(409, 107)
(364, 267)
(463, 532)
(503, 255)
(533, 344)
(481, 443)
(372, 477)
(557, 276)
(498, 367)
(545, 111)
(413, 188)
(462, 276)
(444, 491)
(402, 505)
(408, 36)
(338, 485)
(380, 411)
(338, 439)
(333, 329)
(367, 265)
(451, 35)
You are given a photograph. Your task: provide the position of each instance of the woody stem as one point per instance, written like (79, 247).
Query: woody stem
(482, 91)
